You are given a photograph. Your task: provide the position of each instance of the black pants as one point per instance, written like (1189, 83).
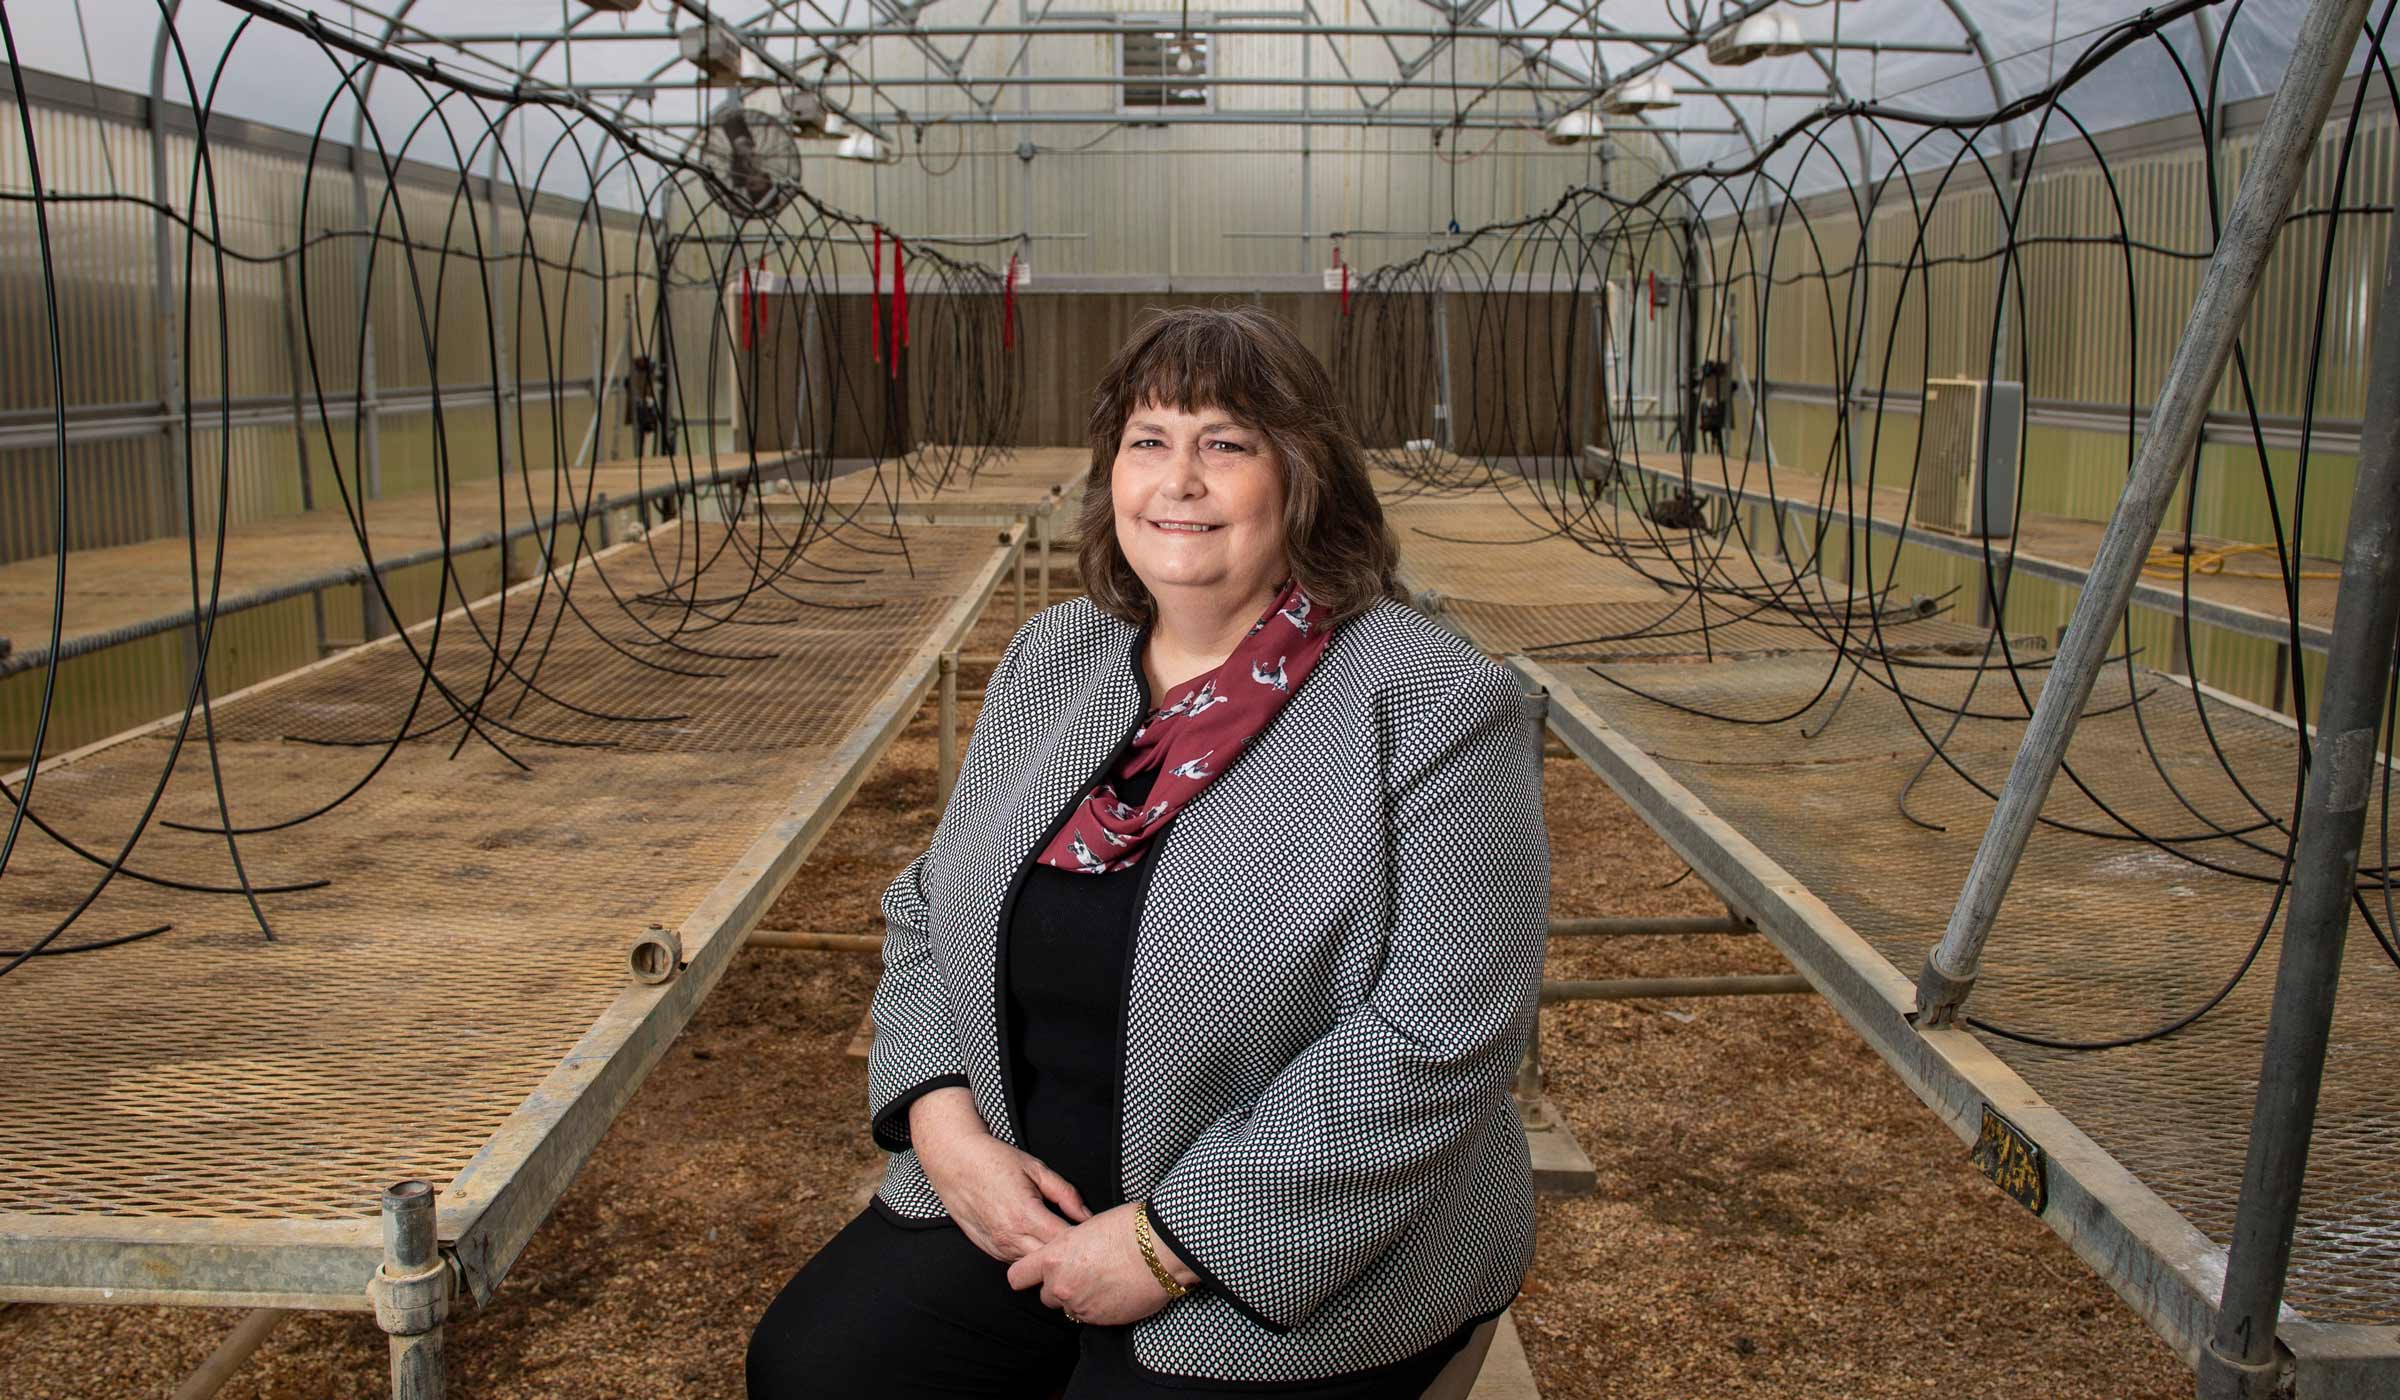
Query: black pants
(897, 1313)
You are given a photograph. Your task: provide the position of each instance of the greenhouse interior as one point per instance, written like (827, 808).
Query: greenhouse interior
(1920, 920)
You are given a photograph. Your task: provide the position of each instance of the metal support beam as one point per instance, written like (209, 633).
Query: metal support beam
(1444, 406)
(245, 1338)
(797, 940)
(2326, 38)
(1041, 535)
(1644, 988)
(945, 760)
(1528, 1089)
(1071, 28)
(174, 517)
(2242, 1361)
(1649, 928)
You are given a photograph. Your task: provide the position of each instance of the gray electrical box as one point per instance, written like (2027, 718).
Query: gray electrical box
(1970, 446)
(713, 50)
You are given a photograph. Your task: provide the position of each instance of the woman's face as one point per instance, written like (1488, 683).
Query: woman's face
(1199, 505)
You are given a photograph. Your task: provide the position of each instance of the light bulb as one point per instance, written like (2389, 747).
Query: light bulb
(1183, 61)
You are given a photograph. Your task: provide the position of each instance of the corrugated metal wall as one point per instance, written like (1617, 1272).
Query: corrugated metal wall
(2098, 324)
(424, 308)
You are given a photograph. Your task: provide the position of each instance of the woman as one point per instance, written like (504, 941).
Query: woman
(1198, 1014)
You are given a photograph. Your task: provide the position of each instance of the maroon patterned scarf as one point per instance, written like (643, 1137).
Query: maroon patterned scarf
(1195, 738)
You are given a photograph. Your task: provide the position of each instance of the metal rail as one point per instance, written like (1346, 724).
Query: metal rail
(32, 658)
(2241, 1361)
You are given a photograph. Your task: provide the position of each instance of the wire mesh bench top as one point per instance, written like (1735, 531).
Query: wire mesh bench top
(208, 1116)
(1819, 822)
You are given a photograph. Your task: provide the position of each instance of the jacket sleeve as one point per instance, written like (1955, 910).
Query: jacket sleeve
(1282, 1203)
(915, 1049)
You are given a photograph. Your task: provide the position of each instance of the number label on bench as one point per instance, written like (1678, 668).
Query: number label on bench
(2013, 1162)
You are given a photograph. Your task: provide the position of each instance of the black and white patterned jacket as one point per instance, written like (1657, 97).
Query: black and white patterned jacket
(1317, 1055)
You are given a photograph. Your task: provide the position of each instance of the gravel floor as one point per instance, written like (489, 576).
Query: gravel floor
(1775, 1215)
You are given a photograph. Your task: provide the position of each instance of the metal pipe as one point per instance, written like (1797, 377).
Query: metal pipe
(1442, 416)
(1381, 121)
(412, 1291)
(1069, 28)
(2240, 1361)
(945, 761)
(1181, 81)
(117, 422)
(791, 939)
(174, 471)
(1041, 534)
(1528, 1088)
(254, 1328)
(1642, 988)
(29, 658)
(2282, 154)
(1646, 928)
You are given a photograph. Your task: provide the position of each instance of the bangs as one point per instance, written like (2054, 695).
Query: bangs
(1191, 365)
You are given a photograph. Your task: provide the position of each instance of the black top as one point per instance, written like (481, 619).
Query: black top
(1070, 939)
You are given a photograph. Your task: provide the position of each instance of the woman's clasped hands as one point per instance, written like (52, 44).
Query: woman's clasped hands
(1088, 1266)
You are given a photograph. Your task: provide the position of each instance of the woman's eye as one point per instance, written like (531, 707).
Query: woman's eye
(1227, 442)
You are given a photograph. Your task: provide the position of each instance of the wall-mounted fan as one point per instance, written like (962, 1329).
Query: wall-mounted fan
(755, 161)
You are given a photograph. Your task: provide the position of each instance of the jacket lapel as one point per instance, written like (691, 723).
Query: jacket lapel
(1065, 759)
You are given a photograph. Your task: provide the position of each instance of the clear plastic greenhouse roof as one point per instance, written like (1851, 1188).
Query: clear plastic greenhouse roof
(1946, 57)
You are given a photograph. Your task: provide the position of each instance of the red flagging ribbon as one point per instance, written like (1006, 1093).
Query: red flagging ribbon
(746, 315)
(875, 296)
(758, 302)
(899, 304)
(1008, 307)
(1345, 267)
(1653, 296)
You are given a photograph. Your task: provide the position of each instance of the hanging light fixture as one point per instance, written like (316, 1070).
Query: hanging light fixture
(863, 146)
(1640, 95)
(1772, 34)
(1574, 128)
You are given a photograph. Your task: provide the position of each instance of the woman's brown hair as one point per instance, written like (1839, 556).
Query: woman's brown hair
(1250, 365)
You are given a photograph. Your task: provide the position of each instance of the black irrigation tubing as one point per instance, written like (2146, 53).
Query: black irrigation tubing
(1539, 334)
(488, 278)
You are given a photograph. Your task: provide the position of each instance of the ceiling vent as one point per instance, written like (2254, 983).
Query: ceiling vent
(1151, 60)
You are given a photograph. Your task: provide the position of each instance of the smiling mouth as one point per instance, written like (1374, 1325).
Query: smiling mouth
(1182, 527)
